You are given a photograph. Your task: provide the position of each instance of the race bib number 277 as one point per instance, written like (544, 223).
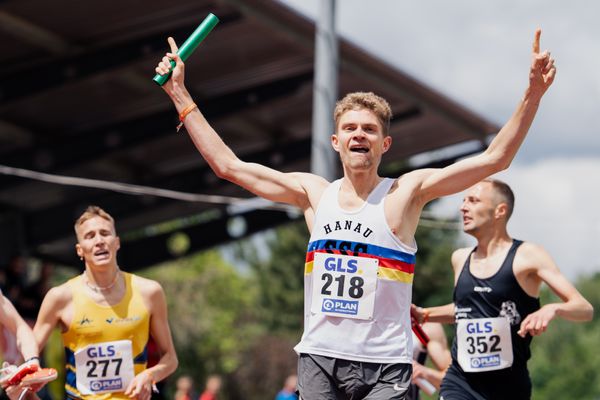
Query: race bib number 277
(344, 286)
(104, 367)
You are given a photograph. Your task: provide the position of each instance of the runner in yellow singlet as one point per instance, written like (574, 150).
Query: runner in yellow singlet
(106, 316)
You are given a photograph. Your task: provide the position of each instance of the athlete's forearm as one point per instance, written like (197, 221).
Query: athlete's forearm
(442, 314)
(577, 310)
(208, 142)
(433, 376)
(505, 144)
(26, 342)
(165, 367)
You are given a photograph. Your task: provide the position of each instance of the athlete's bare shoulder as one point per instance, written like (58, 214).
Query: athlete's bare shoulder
(407, 186)
(312, 183)
(530, 257)
(147, 287)
(151, 291)
(314, 186)
(60, 296)
(459, 257)
(56, 308)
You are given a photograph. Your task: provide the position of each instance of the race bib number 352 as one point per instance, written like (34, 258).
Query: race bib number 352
(344, 286)
(484, 344)
(104, 367)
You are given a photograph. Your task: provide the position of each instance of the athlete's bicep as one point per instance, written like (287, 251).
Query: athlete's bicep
(161, 333)
(268, 183)
(549, 273)
(456, 177)
(159, 324)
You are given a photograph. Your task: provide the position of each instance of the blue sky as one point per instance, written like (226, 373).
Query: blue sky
(478, 54)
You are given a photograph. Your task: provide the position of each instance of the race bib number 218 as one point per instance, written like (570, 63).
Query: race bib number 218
(344, 286)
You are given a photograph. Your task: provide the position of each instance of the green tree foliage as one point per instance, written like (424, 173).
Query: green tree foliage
(280, 278)
(565, 363)
(434, 278)
(211, 313)
(279, 281)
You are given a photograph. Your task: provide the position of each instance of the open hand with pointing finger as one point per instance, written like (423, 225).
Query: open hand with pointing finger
(543, 70)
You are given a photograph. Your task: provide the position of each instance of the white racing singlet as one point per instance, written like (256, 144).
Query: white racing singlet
(357, 283)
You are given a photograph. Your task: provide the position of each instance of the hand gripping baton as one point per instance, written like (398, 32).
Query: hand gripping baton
(422, 383)
(188, 47)
(418, 330)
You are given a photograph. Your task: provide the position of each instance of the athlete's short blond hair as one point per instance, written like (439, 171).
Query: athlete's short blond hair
(365, 100)
(91, 212)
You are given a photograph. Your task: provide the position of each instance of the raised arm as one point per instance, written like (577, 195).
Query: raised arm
(265, 182)
(574, 307)
(501, 151)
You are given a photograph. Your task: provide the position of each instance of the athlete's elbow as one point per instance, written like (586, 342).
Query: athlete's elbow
(498, 161)
(172, 364)
(223, 170)
(175, 363)
(588, 312)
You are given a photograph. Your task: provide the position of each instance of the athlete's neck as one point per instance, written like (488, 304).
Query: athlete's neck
(488, 246)
(360, 184)
(101, 280)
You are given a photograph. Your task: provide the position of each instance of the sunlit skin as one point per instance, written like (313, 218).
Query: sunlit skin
(360, 141)
(479, 208)
(104, 284)
(98, 244)
(485, 216)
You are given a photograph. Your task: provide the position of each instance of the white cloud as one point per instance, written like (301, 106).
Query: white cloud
(478, 54)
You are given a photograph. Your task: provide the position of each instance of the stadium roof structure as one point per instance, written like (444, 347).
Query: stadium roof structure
(77, 100)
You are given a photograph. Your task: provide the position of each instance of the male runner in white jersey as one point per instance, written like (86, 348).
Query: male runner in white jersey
(496, 305)
(360, 259)
(106, 317)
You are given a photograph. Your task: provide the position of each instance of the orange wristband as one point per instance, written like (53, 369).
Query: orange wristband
(425, 315)
(184, 114)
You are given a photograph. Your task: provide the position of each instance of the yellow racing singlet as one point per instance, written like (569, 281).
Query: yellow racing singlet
(105, 346)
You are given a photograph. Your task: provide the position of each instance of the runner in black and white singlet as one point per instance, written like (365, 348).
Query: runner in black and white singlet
(487, 352)
(357, 340)
(496, 307)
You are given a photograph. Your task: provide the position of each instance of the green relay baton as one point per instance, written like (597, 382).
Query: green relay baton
(188, 47)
